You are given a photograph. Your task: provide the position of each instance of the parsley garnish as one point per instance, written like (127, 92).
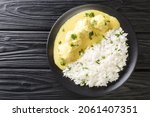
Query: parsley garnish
(103, 36)
(91, 34)
(73, 45)
(111, 42)
(90, 14)
(85, 67)
(98, 61)
(103, 57)
(86, 14)
(63, 30)
(73, 36)
(81, 52)
(121, 33)
(62, 62)
(94, 22)
(83, 82)
(69, 68)
(117, 35)
(59, 42)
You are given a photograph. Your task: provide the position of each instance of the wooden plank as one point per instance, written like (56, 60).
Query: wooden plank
(42, 84)
(41, 14)
(27, 49)
(23, 50)
(30, 84)
(144, 51)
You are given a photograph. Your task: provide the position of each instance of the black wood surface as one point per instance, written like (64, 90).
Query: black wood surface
(24, 27)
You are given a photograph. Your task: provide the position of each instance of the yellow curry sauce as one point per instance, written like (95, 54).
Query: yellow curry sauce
(80, 32)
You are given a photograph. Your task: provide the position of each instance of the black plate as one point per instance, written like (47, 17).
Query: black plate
(124, 75)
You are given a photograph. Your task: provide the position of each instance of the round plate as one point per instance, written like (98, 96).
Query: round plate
(124, 75)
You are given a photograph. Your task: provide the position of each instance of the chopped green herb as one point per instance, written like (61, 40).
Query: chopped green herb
(105, 23)
(103, 57)
(85, 67)
(73, 45)
(91, 34)
(117, 35)
(81, 52)
(59, 42)
(62, 62)
(90, 14)
(118, 67)
(94, 22)
(86, 75)
(83, 82)
(121, 32)
(98, 61)
(86, 14)
(103, 36)
(92, 46)
(63, 30)
(80, 63)
(108, 21)
(111, 42)
(73, 36)
(69, 68)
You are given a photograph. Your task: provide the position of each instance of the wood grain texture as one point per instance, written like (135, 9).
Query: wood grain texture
(24, 27)
(41, 14)
(42, 84)
(23, 50)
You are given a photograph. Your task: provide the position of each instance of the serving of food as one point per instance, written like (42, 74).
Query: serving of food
(92, 49)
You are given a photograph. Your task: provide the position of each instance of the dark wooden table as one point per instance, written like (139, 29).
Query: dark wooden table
(24, 27)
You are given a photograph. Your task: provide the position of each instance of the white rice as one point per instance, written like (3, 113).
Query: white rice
(101, 63)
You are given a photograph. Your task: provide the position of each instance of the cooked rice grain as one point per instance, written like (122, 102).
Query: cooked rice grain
(101, 63)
